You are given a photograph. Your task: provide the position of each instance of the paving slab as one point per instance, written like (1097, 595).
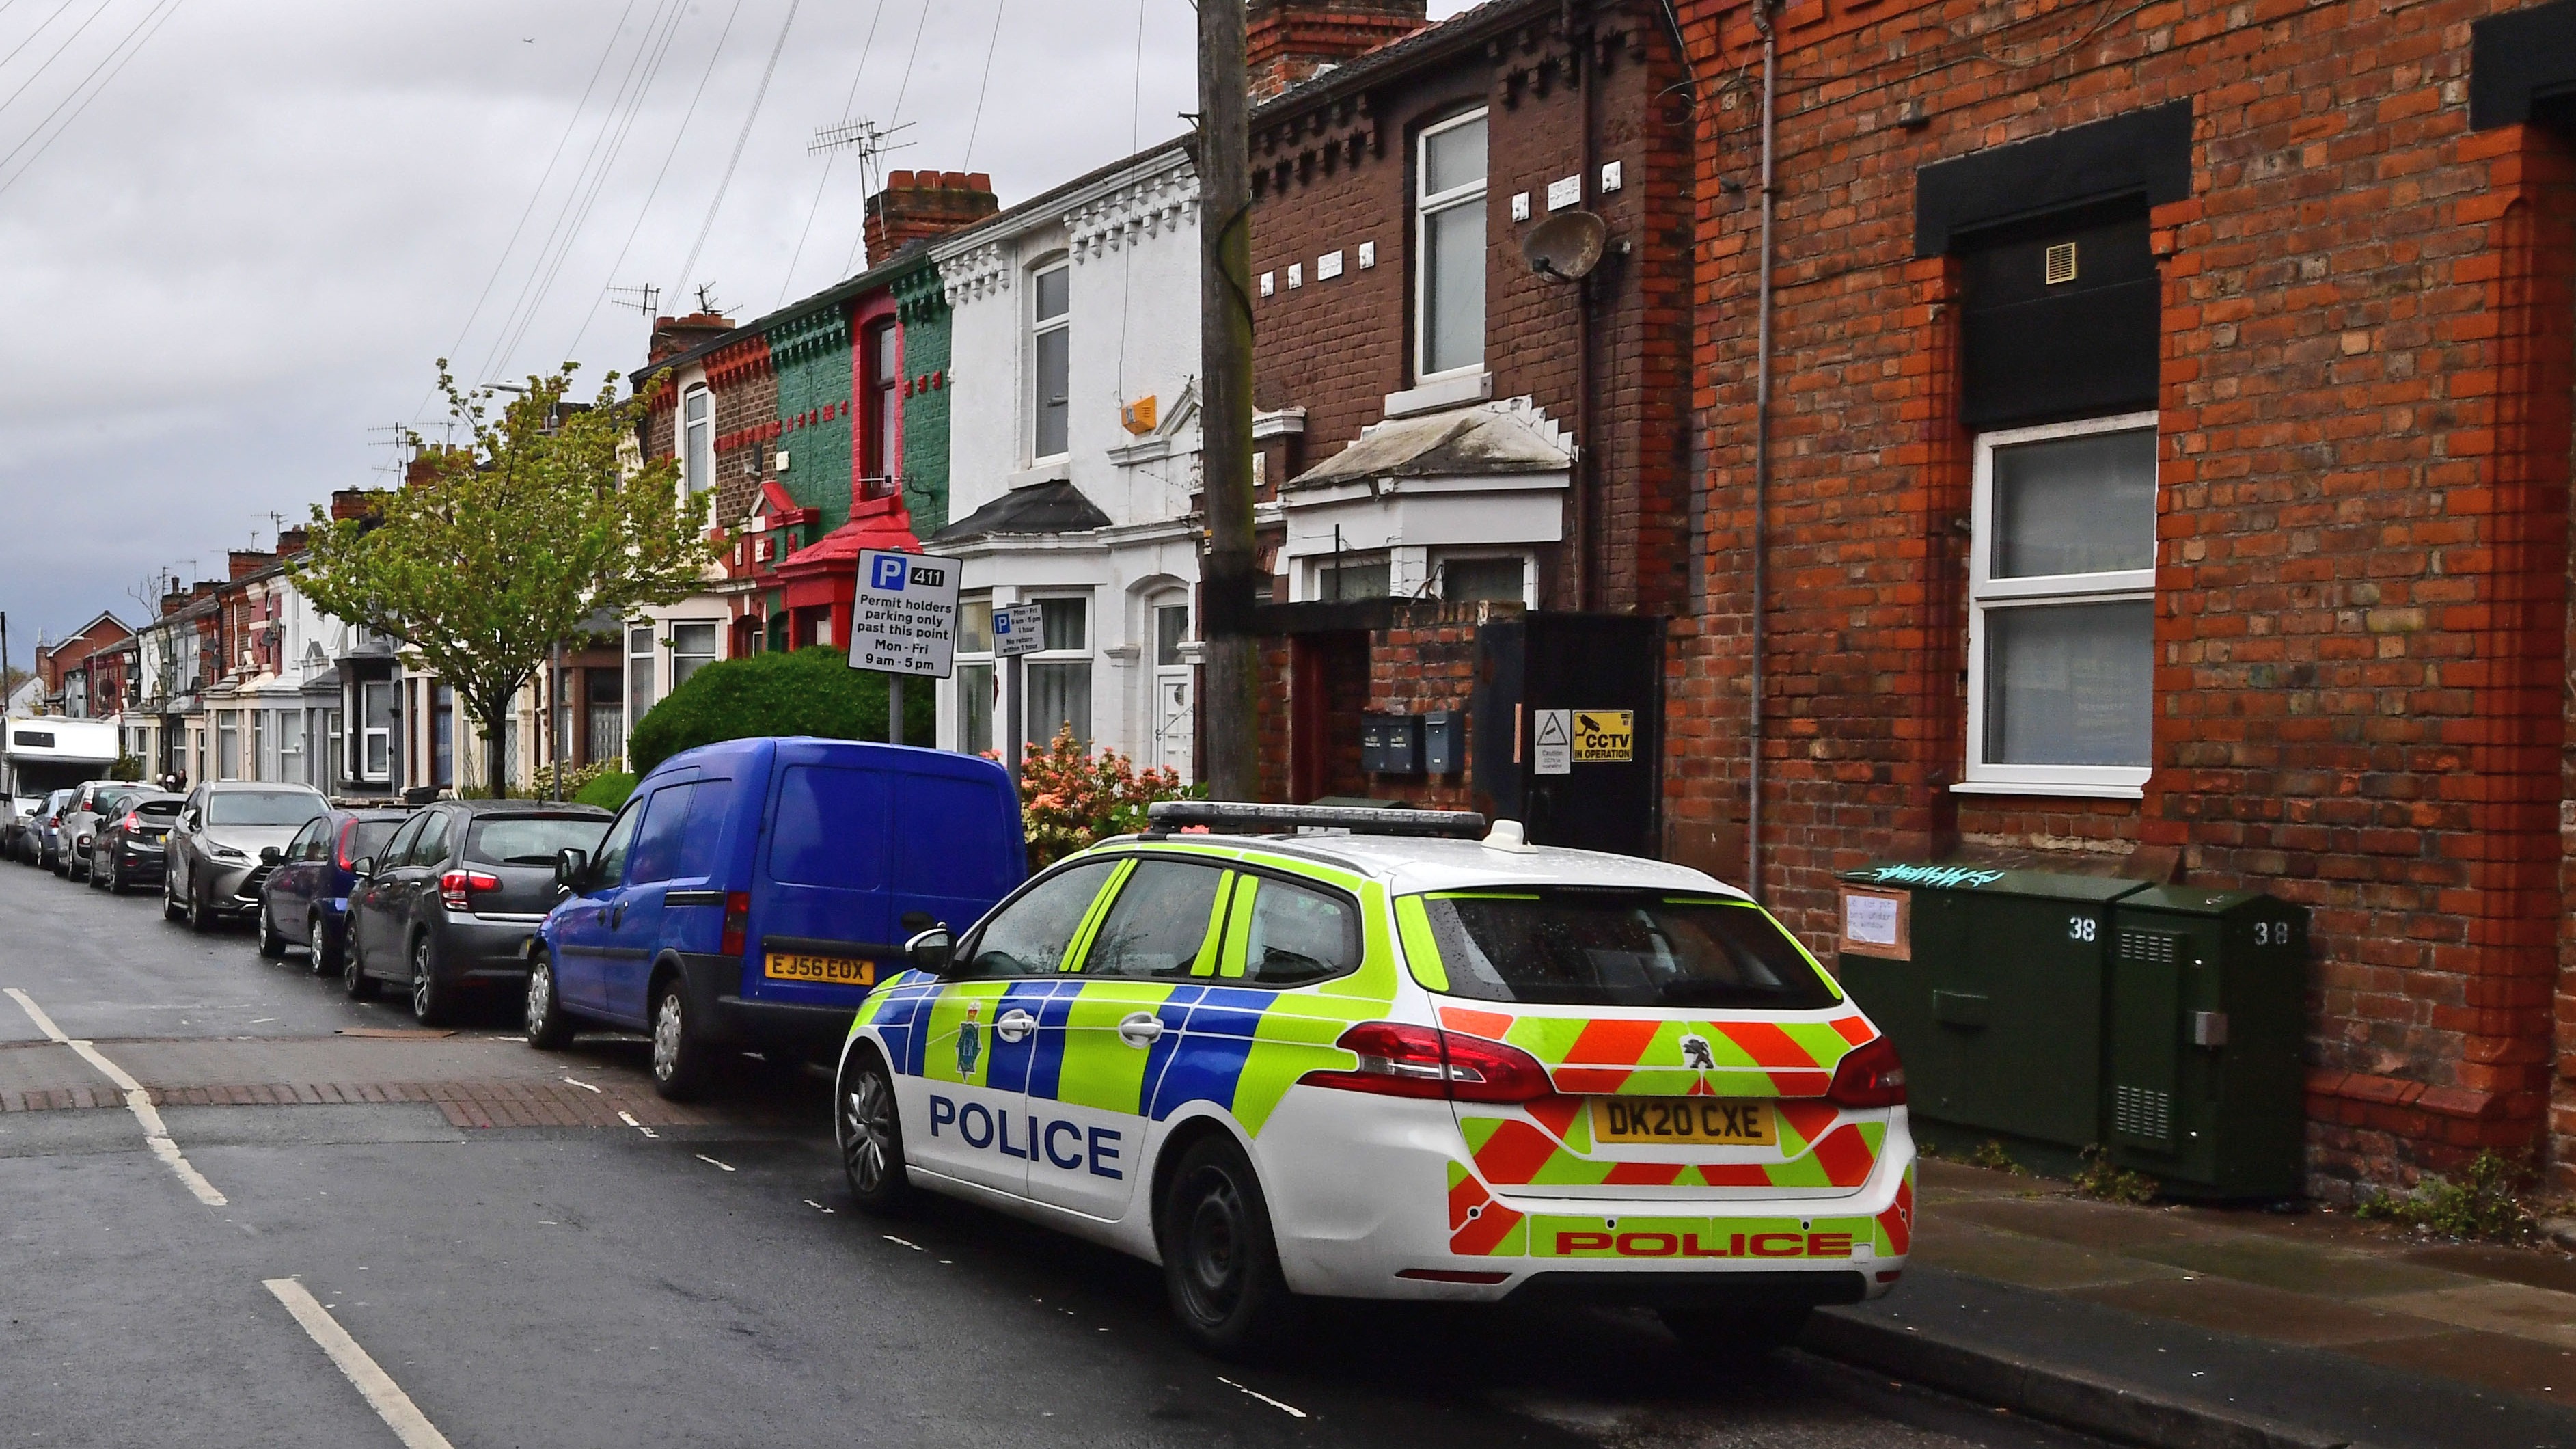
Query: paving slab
(2297, 1268)
(2515, 1365)
(2232, 1307)
(2105, 1226)
(2511, 1308)
(1965, 1247)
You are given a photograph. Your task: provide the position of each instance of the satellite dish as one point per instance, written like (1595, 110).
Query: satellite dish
(1566, 246)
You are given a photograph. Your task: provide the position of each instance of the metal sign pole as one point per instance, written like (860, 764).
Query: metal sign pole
(1013, 687)
(894, 709)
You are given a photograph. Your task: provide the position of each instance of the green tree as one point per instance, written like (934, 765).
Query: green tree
(809, 692)
(500, 547)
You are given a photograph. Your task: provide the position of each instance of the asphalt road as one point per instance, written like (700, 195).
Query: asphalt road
(700, 1282)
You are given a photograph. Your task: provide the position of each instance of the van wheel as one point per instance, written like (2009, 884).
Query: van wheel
(1754, 1328)
(549, 1029)
(869, 1130)
(1220, 1261)
(679, 1047)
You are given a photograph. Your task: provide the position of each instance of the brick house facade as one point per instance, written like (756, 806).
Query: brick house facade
(2332, 663)
(1568, 396)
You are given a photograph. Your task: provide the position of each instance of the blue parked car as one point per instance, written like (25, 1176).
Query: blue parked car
(752, 891)
(305, 899)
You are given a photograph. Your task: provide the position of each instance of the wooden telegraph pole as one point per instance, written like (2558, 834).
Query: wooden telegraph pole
(1225, 420)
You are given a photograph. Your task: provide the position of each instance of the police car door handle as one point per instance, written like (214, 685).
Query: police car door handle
(1142, 1029)
(1014, 1024)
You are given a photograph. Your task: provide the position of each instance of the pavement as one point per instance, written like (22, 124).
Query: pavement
(496, 1246)
(2196, 1326)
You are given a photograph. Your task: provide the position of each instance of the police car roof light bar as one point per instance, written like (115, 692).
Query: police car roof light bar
(1246, 819)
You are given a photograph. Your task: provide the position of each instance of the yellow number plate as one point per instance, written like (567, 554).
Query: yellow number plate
(833, 970)
(1692, 1121)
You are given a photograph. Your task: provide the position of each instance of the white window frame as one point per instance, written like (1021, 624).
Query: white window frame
(1039, 327)
(695, 479)
(1427, 204)
(1985, 592)
(671, 650)
(1440, 562)
(1321, 567)
(994, 725)
(1087, 656)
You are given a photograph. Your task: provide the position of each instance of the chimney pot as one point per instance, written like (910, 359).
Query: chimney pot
(921, 205)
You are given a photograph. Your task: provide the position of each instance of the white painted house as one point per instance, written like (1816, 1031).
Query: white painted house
(1074, 451)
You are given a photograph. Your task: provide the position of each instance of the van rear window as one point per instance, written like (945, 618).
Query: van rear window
(1577, 947)
(831, 828)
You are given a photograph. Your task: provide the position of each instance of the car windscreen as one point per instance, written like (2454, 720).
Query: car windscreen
(532, 839)
(371, 837)
(261, 807)
(1577, 947)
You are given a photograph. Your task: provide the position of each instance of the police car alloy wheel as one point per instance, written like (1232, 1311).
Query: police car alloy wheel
(870, 1134)
(1220, 1263)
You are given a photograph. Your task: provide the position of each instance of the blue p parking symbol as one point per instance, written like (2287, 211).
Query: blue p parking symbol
(891, 572)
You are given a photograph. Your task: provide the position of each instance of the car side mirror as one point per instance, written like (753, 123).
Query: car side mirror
(270, 855)
(363, 867)
(571, 865)
(932, 951)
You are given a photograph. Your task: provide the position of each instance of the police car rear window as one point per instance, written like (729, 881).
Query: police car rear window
(1572, 947)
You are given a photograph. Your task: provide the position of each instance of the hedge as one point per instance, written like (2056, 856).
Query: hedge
(809, 692)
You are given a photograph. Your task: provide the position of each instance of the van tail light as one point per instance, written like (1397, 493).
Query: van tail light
(455, 887)
(1869, 1075)
(737, 924)
(1420, 1061)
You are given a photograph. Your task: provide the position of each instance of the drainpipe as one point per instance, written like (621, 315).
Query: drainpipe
(1586, 472)
(1761, 464)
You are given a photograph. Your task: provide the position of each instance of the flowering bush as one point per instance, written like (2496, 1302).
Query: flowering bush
(1070, 799)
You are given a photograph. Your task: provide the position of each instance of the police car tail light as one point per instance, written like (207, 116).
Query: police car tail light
(737, 923)
(1870, 1075)
(456, 887)
(1419, 1061)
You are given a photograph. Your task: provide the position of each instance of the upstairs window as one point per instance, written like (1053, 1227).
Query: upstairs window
(698, 440)
(1449, 249)
(1051, 361)
(880, 455)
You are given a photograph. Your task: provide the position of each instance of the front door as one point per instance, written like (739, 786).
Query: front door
(966, 1115)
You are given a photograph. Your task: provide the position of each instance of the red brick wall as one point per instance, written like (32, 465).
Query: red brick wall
(2362, 631)
(746, 389)
(1335, 171)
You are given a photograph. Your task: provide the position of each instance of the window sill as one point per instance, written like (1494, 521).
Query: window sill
(2062, 789)
(1435, 393)
(1058, 469)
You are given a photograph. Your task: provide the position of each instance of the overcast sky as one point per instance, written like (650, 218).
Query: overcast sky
(235, 234)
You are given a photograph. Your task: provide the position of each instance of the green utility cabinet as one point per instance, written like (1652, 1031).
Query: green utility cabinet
(2159, 1022)
(1992, 989)
(2207, 998)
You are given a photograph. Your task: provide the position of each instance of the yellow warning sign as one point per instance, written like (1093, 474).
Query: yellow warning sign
(1605, 736)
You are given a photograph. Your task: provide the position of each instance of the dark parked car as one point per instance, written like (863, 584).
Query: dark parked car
(94, 801)
(44, 840)
(126, 848)
(452, 900)
(212, 866)
(305, 900)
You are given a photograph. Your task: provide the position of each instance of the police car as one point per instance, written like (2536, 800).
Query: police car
(1383, 1054)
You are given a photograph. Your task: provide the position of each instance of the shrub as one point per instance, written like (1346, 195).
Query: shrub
(543, 783)
(2483, 1201)
(1070, 800)
(607, 792)
(808, 692)
(2101, 1179)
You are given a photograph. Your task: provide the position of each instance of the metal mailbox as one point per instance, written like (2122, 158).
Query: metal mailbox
(1391, 744)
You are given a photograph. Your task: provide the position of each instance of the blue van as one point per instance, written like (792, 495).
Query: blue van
(751, 892)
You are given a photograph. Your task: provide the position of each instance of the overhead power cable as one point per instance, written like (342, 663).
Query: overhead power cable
(32, 34)
(113, 64)
(716, 203)
(902, 88)
(867, 47)
(984, 86)
(48, 62)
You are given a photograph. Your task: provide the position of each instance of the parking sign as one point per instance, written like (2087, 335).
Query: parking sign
(1018, 629)
(904, 619)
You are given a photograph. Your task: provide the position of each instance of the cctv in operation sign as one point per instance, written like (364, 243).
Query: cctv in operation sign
(904, 619)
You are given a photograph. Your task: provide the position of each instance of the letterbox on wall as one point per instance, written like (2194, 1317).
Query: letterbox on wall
(1391, 744)
(1444, 741)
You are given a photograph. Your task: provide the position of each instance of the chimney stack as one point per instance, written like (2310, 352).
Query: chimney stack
(1286, 42)
(248, 561)
(290, 542)
(347, 503)
(923, 205)
(675, 335)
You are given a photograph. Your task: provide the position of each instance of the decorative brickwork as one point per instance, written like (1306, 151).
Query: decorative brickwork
(810, 352)
(922, 309)
(745, 383)
(2361, 637)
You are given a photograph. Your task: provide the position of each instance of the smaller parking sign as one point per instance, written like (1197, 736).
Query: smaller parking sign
(904, 618)
(1018, 629)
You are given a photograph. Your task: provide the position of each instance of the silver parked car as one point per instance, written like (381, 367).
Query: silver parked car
(212, 867)
(96, 802)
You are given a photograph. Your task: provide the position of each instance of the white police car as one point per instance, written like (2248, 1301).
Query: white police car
(1378, 1065)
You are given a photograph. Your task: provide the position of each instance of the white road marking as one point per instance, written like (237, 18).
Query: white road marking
(137, 1101)
(891, 1238)
(382, 1394)
(585, 1086)
(816, 1206)
(629, 1119)
(1291, 1410)
(711, 1162)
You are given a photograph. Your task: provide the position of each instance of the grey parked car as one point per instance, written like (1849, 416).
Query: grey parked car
(211, 863)
(451, 902)
(41, 844)
(93, 803)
